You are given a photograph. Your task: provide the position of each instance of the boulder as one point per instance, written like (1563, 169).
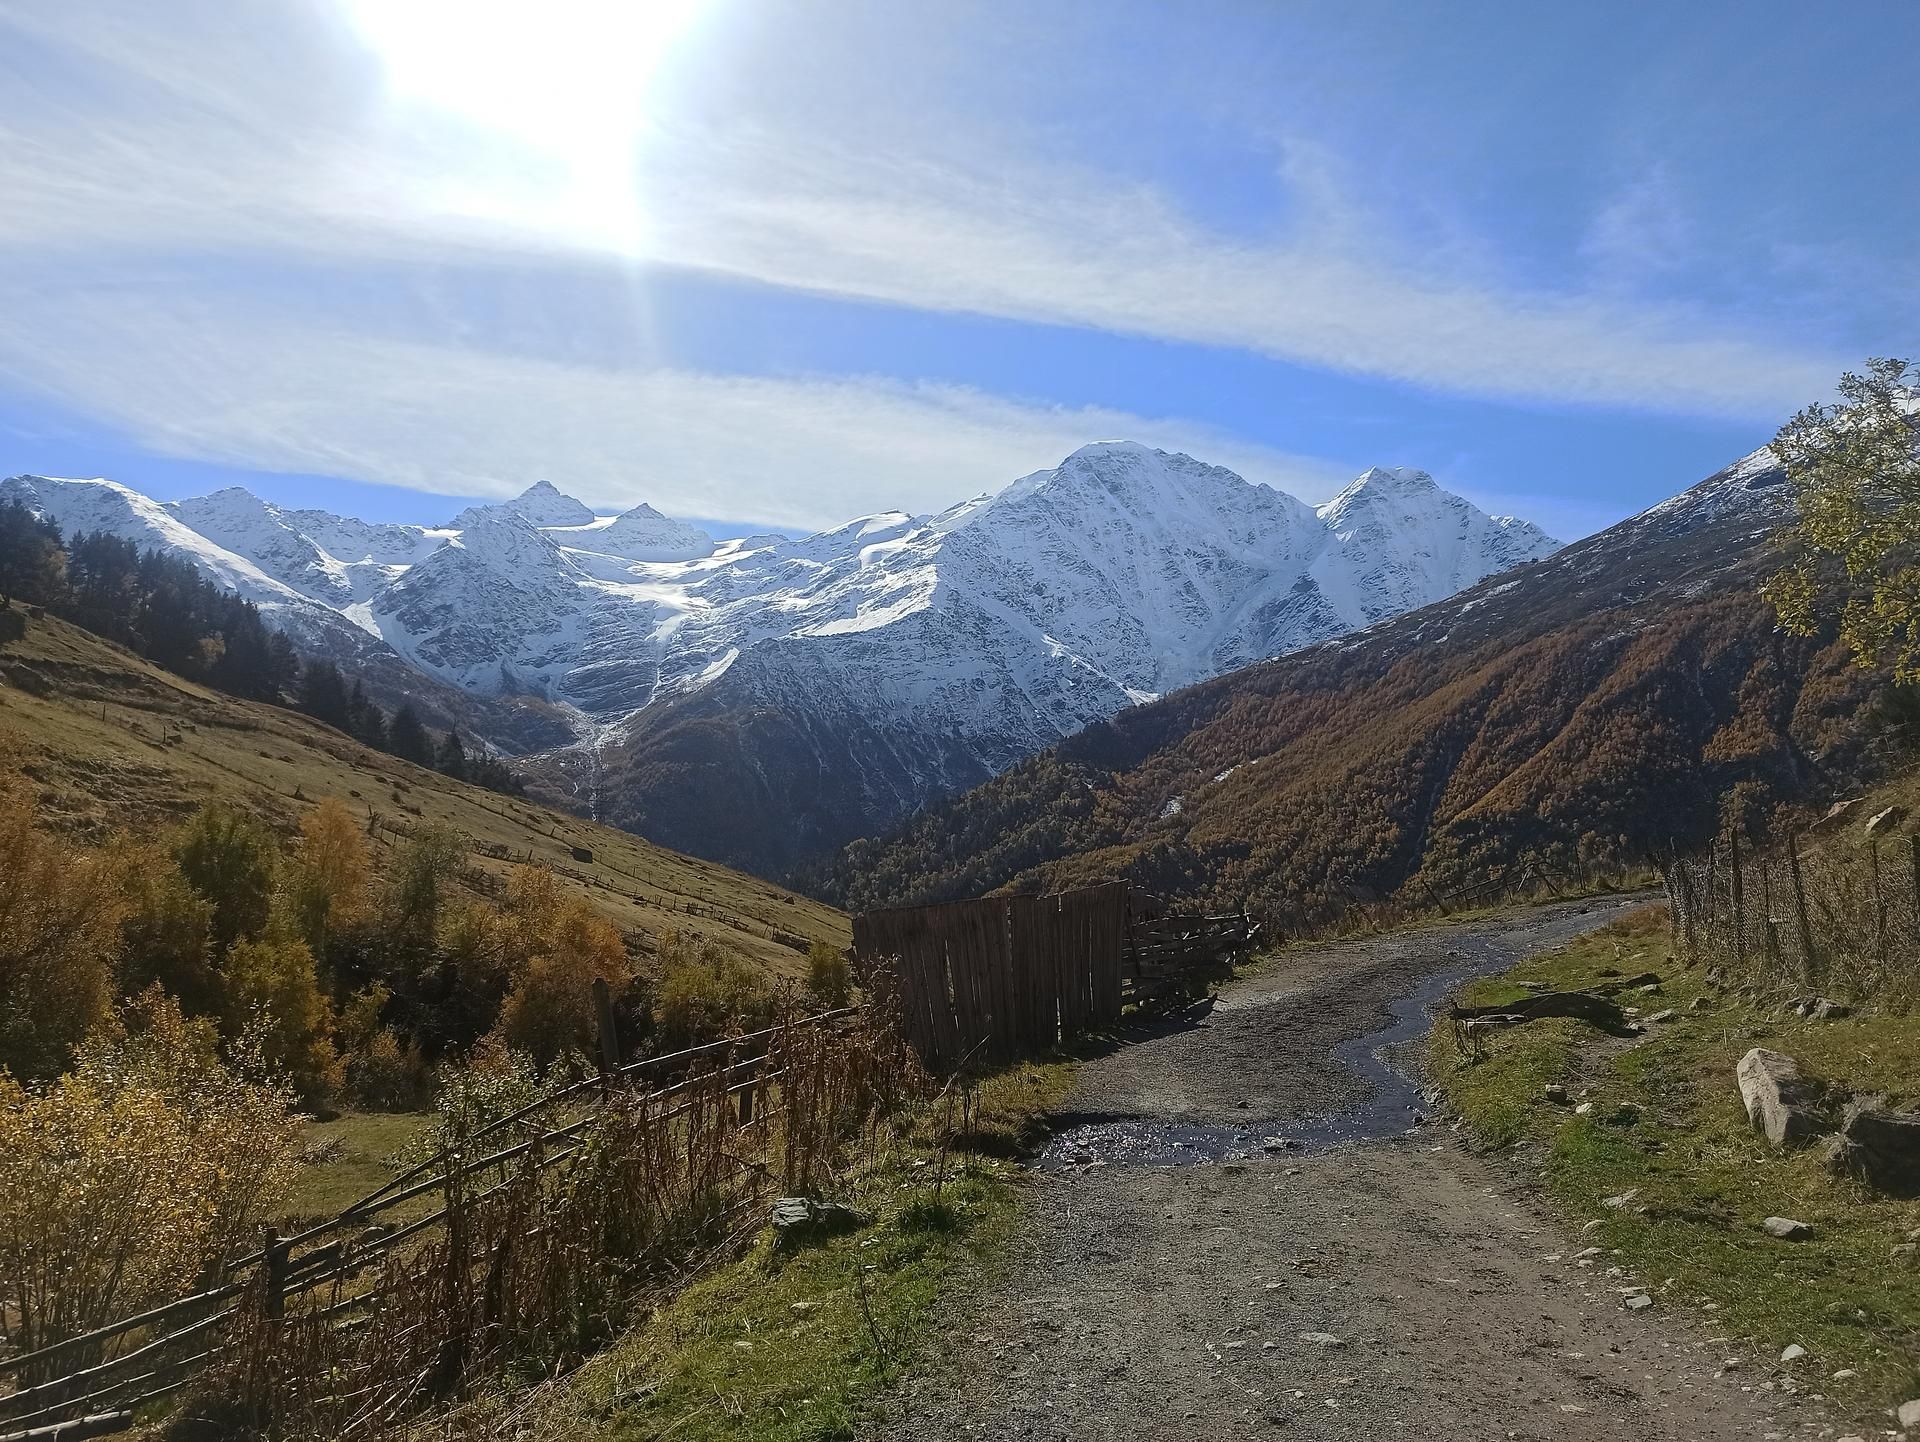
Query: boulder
(1837, 815)
(1908, 1414)
(1886, 820)
(1786, 1229)
(1880, 1148)
(1780, 1103)
(802, 1219)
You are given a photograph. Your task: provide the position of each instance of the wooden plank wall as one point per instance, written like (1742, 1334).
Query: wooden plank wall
(1002, 973)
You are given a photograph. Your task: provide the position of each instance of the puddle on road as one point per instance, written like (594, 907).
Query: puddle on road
(1389, 1112)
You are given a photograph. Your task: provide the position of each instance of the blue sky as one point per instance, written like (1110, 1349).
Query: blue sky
(783, 264)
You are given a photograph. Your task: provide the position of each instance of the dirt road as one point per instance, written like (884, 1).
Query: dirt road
(1240, 1233)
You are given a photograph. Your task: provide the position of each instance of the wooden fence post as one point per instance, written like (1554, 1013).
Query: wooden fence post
(609, 1037)
(1809, 961)
(1738, 898)
(1913, 858)
(273, 1255)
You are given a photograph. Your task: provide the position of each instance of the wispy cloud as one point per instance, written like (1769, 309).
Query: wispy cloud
(276, 138)
(260, 391)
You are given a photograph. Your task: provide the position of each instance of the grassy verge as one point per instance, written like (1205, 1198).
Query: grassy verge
(1666, 1123)
(794, 1346)
(344, 1159)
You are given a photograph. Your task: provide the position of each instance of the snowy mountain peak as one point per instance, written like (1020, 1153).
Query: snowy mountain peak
(542, 503)
(893, 657)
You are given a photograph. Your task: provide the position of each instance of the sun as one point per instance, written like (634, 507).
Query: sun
(548, 100)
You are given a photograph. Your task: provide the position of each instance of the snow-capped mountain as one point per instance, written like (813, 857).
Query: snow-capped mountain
(849, 676)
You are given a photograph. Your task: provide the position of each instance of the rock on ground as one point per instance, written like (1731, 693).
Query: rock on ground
(1780, 1103)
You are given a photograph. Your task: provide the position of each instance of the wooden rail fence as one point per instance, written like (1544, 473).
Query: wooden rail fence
(1006, 973)
(94, 1383)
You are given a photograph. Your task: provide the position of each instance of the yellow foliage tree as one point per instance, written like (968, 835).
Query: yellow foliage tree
(274, 1003)
(1855, 473)
(129, 1177)
(60, 911)
(326, 883)
(557, 946)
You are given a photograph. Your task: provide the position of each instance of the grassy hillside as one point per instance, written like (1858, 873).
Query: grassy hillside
(112, 742)
(1579, 710)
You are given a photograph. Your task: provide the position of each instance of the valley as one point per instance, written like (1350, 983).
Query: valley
(763, 701)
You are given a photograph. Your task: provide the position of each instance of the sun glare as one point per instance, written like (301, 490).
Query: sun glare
(553, 97)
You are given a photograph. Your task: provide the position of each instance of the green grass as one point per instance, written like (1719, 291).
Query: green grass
(348, 1157)
(1667, 1120)
(795, 1346)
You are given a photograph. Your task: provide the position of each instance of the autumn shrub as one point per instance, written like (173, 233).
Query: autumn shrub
(706, 992)
(558, 947)
(229, 859)
(125, 1182)
(166, 936)
(385, 1072)
(60, 913)
(273, 995)
(829, 975)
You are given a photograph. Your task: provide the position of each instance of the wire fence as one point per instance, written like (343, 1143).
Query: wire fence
(1838, 918)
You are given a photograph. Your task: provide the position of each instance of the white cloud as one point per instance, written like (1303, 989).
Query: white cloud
(257, 391)
(276, 139)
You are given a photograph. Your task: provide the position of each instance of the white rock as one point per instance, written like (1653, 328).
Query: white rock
(1786, 1228)
(1792, 1352)
(1322, 1339)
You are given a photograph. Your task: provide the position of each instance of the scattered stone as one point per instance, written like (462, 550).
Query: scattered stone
(1701, 1003)
(1908, 1414)
(1880, 1148)
(1588, 1252)
(805, 1307)
(1659, 1016)
(1583, 1109)
(1322, 1339)
(1589, 1227)
(1886, 820)
(1556, 1093)
(1792, 1352)
(1904, 1252)
(1278, 1144)
(1837, 815)
(1616, 1203)
(1638, 1302)
(1787, 1229)
(1780, 1103)
(801, 1219)
(1818, 1008)
(1845, 1374)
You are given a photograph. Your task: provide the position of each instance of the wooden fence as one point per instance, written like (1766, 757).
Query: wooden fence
(1007, 973)
(510, 1181)
(1843, 915)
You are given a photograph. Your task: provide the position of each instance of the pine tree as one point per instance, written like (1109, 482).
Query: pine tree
(323, 695)
(452, 757)
(408, 739)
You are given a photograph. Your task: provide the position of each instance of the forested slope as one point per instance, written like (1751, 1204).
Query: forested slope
(1582, 709)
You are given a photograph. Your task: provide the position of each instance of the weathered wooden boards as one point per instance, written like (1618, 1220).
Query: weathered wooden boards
(1004, 972)
(1009, 973)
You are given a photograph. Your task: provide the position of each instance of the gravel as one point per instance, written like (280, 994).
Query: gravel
(1199, 1301)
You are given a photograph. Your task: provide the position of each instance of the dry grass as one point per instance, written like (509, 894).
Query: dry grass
(112, 741)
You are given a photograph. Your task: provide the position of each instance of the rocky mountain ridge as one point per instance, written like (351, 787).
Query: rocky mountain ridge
(891, 660)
